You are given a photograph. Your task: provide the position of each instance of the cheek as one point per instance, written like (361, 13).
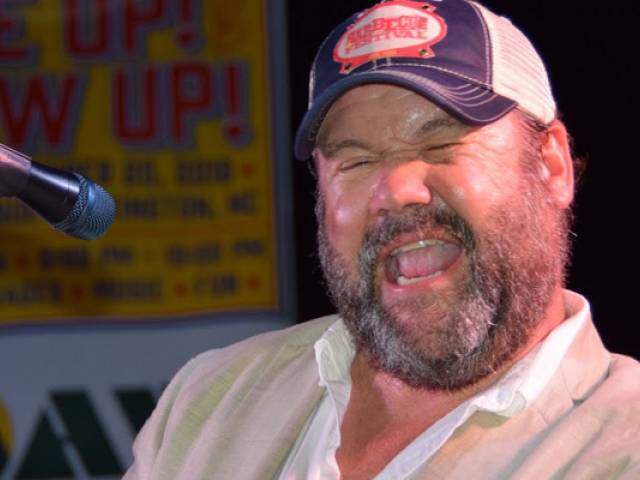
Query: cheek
(345, 213)
(345, 219)
(473, 193)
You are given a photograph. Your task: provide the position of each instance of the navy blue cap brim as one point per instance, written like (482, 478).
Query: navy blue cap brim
(469, 102)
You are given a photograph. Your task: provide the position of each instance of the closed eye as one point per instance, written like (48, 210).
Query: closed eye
(443, 146)
(355, 163)
(439, 153)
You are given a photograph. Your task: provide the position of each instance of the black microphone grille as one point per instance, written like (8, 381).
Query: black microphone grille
(91, 215)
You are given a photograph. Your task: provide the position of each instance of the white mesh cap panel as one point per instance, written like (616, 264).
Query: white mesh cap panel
(517, 69)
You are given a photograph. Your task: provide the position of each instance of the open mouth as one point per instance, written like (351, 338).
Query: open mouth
(421, 260)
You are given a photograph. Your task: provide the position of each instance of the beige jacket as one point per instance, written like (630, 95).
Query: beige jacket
(234, 413)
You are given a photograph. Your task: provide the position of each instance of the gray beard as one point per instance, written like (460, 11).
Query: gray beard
(453, 340)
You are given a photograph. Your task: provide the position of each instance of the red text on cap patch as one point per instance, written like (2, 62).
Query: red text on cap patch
(400, 28)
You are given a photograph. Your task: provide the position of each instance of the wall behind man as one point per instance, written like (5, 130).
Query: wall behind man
(590, 52)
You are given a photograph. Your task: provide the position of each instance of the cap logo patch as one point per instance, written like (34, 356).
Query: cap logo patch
(398, 28)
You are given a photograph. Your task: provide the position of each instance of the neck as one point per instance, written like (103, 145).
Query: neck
(385, 414)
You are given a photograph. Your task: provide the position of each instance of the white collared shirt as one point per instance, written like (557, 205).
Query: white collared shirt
(313, 455)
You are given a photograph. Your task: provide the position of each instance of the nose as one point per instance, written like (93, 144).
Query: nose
(399, 185)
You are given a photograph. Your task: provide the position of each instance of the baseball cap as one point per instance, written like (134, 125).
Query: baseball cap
(464, 58)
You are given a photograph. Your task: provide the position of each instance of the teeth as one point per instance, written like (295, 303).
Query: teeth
(416, 245)
(408, 281)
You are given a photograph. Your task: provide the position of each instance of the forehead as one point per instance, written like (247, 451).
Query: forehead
(387, 110)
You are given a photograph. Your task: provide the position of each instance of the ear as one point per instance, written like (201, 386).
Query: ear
(558, 164)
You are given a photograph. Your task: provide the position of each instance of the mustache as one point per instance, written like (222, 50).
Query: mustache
(416, 217)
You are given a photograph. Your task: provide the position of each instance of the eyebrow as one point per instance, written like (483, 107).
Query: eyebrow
(330, 149)
(434, 125)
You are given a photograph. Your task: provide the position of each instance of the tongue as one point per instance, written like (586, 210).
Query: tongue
(426, 261)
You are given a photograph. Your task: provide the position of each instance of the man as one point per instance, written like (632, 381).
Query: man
(444, 186)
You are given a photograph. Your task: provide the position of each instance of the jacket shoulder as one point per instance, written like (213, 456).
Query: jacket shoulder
(621, 388)
(223, 386)
(262, 346)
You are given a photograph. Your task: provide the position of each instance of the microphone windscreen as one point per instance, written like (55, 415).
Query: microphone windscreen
(91, 215)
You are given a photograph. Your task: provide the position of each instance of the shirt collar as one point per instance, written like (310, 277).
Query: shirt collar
(519, 387)
(334, 353)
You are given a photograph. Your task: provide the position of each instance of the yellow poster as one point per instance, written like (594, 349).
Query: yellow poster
(166, 104)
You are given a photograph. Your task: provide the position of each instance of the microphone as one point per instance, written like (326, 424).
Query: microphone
(68, 201)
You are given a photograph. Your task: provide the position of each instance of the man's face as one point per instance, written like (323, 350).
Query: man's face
(438, 242)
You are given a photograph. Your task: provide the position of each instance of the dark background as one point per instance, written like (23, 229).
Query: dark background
(591, 52)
